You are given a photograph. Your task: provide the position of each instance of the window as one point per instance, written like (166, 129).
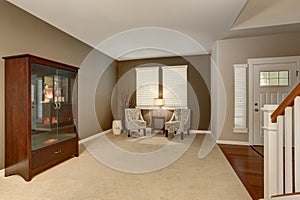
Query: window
(274, 78)
(147, 81)
(174, 85)
(240, 98)
(174, 81)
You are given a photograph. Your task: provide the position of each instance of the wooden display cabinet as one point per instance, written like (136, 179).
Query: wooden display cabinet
(40, 114)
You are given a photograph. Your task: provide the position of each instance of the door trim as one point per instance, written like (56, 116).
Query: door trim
(255, 61)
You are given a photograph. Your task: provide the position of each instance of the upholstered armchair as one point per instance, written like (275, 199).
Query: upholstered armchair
(179, 122)
(134, 120)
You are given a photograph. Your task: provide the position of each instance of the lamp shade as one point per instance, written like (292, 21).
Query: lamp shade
(158, 102)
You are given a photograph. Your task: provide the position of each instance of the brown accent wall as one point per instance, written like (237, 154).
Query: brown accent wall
(104, 101)
(23, 33)
(198, 78)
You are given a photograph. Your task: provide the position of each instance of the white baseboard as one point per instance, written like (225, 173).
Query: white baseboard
(233, 142)
(213, 136)
(104, 132)
(94, 136)
(1, 172)
(193, 131)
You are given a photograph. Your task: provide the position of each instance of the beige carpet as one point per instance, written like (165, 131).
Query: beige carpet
(140, 144)
(86, 178)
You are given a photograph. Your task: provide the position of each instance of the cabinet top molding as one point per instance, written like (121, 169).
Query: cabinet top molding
(41, 60)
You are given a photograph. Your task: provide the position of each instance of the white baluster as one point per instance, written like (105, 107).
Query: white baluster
(270, 149)
(288, 115)
(297, 143)
(280, 129)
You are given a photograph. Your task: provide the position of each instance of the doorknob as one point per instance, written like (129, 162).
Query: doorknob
(256, 110)
(55, 106)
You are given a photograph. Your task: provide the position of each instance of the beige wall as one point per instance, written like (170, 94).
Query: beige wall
(104, 101)
(97, 77)
(237, 51)
(23, 33)
(198, 78)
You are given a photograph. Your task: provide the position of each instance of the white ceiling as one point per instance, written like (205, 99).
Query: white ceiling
(128, 29)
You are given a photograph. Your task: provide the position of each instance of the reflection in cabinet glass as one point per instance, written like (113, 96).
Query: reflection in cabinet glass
(51, 111)
(44, 109)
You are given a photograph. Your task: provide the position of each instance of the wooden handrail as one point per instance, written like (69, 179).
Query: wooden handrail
(283, 195)
(288, 101)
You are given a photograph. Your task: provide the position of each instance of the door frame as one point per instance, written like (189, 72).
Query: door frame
(255, 61)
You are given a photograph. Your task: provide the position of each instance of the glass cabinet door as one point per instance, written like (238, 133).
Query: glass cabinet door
(64, 84)
(51, 105)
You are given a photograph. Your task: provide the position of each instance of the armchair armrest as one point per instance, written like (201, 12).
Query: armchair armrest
(172, 118)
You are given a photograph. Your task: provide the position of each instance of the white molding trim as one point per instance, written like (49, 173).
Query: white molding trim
(1, 172)
(104, 132)
(193, 131)
(214, 137)
(233, 142)
(240, 130)
(287, 197)
(93, 136)
(269, 129)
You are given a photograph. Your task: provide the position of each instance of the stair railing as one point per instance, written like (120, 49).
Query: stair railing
(282, 147)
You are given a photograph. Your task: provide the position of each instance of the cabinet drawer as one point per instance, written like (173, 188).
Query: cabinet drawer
(48, 156)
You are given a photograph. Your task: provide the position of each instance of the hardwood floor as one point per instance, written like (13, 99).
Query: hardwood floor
(248, 165)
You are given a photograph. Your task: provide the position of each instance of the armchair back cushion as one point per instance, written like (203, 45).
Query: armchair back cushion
(134, 119)
(180, 121)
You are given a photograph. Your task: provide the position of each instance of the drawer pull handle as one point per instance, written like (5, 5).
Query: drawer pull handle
(58, 151)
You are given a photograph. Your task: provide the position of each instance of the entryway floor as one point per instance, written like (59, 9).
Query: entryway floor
(248, 165)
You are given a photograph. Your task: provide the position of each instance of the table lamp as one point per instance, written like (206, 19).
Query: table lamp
(158, 102)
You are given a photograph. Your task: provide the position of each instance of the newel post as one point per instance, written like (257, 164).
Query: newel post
(270, 149)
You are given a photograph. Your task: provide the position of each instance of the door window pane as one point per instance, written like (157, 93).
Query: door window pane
(284, 74)
(274, 78)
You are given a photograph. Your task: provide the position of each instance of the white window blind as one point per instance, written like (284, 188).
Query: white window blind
(174, 80)
(240, 92)
(147, 81)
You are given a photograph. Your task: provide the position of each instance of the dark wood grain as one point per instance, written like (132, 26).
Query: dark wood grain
(53, 154)
(248, 165)
(18, 144)
(43, 61)
(17, 116)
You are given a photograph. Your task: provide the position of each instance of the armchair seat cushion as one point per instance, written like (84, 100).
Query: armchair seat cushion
(179, 122)
(136, 124)
(134, 120)
(172, 126)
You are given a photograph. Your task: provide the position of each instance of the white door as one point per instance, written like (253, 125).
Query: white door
(272, 83)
